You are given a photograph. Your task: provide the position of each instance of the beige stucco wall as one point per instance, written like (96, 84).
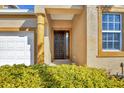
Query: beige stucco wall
(47, 44)
(79, 38)
(18, 22)
(111, 64)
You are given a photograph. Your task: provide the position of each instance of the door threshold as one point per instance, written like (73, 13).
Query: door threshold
(62, 61)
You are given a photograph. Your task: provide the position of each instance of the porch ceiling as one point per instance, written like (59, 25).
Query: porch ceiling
(65, 14)
(62, 17)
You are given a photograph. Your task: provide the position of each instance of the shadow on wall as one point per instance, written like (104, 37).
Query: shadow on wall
(33, 23)
(28, 23)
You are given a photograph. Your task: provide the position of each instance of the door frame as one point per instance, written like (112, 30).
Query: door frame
(70, 42)
(65, 51)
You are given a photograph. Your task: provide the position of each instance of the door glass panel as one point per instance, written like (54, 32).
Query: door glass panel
(67, 43)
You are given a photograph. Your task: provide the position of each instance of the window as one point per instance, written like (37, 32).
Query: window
(111, 31)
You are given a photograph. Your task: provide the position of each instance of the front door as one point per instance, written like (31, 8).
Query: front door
(61, 44)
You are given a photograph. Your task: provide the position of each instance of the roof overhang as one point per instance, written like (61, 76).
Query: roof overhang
(63, 11)
(63, 6)
(17, 15)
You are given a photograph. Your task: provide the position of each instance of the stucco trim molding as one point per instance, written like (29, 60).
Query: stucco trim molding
(112, 8)
(11, 29)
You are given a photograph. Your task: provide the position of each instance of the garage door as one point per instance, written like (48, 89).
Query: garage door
(16, 48)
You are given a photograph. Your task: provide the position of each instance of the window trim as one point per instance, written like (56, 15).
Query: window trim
(102, 53)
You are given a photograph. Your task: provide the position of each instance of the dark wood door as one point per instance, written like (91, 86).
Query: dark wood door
(59, 45)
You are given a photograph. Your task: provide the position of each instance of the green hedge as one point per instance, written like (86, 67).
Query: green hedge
(62, 76)
(19, 76)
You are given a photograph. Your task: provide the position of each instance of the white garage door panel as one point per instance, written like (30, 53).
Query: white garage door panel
(11, 62)
(16, 48)
(14, 54)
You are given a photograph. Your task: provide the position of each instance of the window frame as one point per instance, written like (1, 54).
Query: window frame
(101, 53)
(113, 31)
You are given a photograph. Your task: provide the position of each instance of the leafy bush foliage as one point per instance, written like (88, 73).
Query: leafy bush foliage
(19, 76)
(62, 76)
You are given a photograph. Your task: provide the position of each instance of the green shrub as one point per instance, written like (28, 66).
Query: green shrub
(61, 76)
(19, 76)
(72, 76)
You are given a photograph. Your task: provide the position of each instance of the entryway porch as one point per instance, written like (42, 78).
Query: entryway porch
(61, 24)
